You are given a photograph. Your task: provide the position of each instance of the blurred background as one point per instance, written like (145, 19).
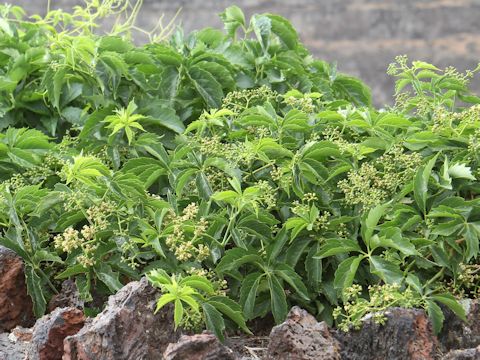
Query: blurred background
(362, 36)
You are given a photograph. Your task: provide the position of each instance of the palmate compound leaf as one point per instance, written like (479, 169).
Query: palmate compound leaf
(85, 169)
(147, 170)
(207, 86)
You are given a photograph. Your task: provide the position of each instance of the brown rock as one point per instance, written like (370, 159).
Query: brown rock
(457, 334)
(407, 334)
(50, 330)
(67, 297)
(464, 354)
(126, 329)
(15, 304)
(198, 347)
(301, 337)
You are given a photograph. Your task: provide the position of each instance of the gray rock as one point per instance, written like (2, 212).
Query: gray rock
(50, 331)
(457, 334)
(67, 297)
(464, 354)
(302, 337)
(406, 335)
(11, 349)
(126, 329)
(198, 347)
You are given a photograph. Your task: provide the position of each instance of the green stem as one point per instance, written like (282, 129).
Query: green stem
(227, 235)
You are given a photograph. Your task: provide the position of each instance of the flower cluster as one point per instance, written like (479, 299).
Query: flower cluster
(237, 153)
(374, 181)
(98, 214)
(71, 239)
(467, 283)
(282, 176)
(186, 233)
(304, 104)
(237, 101)
(267, 194)
(457, 123)
(380, 297)
(334, 135)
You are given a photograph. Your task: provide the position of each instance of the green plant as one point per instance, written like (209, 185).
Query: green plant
(236, 172)
(195, 291)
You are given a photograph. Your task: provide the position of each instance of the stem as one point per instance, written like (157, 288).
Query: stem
(227, 235)
(435, 277)
(49, 283)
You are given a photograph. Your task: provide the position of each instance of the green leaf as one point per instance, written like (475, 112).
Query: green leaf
(461, 171)
(346, 271)
(207, 86)
(472, 236)
(183, 179)
(394, 121)
(44, 255)
(203, 186)
(178, 313)
(163, 116)
(278, 300)
(71, 271)
(284, 30)
(313, 265)
(392, 238)
(420, 188)
(248, 293)
(337, 246)
(370, 222)
(352, 89)
(436, 316)
(385, 270)
(227, 196)
(214, 320)
(233, 18)
(278, 244)
(36, 292)
(198, 282)
(289, 275)
(230, 309)
(236, 257)
(262, 27)
(108, 277)
(450, 301)
(83, 284)
(164, 300)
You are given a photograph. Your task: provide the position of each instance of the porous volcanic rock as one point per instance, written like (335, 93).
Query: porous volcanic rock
(302, 337)
(407, 335)
(67, 297)
(198, 347)
(15, 304)
(12, 349)
(464, 354)
(126, 329)
(457, 334)
(50, 331)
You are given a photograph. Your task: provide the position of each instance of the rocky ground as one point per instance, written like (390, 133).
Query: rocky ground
(128, 329)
